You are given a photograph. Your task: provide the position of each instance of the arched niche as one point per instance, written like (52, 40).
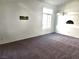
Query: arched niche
(69, 22)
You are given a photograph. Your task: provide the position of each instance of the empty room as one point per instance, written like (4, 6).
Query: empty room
(39, 29)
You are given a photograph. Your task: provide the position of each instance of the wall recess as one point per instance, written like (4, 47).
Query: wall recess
(69, 22)
(24, 18)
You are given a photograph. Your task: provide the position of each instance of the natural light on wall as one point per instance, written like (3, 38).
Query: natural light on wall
(47, 15)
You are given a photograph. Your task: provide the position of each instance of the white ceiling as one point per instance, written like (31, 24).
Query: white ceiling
(52, 2)
(56, 2)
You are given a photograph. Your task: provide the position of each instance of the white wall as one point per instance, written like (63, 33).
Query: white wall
(71, 13)
(13, 29)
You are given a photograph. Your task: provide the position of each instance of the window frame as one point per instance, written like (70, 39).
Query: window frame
(49, 14)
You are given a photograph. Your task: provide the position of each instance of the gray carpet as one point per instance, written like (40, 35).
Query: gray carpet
(50, 46)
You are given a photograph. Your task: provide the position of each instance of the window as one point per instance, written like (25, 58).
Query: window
(47, 15)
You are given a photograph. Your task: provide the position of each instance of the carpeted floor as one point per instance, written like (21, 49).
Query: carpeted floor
(50, 46)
